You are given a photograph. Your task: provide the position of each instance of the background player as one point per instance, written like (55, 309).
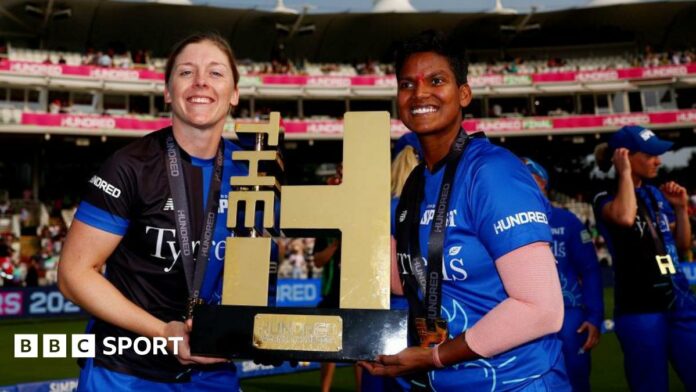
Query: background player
(581, 282)
(655, 310)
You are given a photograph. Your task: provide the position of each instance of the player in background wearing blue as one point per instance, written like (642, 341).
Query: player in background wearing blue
(153, 199)
(581, 282)
(493, 300)
(645, 227)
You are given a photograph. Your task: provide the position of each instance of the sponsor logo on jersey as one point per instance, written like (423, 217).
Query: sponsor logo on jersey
(559, 249)
(454, 250)
(105, 186)
(521, 218)
(452, 269)
(429, 214)
(558, 230)
(166, 246)
(222, 205)
(168, 205)
(585, 236)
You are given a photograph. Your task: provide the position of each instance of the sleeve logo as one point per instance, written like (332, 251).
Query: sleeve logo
(105, 187)
(518, 219)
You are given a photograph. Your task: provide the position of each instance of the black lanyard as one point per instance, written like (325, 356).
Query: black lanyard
(653, 228)
(194, 265)
(407, 234)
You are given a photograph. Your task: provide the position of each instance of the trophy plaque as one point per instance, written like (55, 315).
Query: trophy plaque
(247, 325)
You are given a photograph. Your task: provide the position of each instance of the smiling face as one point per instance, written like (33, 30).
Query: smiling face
(429, 99)
(201, 87)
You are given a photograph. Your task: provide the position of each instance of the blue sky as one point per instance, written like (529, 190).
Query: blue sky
(522, 6)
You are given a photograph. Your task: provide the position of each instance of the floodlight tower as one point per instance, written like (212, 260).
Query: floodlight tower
(281, 8)
(499, 9)
(393, 6)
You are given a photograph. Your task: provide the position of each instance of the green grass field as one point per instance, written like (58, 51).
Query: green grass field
(607, 368)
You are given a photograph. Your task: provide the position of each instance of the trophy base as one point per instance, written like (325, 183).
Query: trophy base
(299, 334)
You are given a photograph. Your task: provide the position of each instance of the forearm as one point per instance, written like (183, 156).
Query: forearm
(322, 257)
(622, 210)
(96, 295)
(395, 279)
(533, 309)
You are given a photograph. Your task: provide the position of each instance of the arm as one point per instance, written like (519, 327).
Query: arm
(676, 196)
(584, 260)
(534, 309)
(622, 210)
(395, 279)
(324, 256)
(79, 279)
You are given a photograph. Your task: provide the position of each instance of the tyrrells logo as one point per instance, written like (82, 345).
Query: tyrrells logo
(105, 186)
(452, 267)
(168, 205)
(165, 246)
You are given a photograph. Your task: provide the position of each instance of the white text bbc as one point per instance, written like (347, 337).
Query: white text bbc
(84, 345)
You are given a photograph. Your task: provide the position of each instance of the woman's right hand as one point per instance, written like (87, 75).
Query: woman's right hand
(621, 162)
(183, 351)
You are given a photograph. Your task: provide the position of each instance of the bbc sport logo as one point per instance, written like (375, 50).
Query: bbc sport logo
(84, 345)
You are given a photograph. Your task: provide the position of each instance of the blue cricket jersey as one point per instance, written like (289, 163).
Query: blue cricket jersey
(495, 208)
(578, 267)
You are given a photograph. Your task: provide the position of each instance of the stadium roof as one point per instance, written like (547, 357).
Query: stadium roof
(337, 36)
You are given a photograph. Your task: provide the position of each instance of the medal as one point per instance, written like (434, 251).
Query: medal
(191, 303)
(428, 337)
(664, 262)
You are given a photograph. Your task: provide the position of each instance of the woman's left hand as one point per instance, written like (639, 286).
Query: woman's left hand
(675, 194)
(410, 360)
(593, 335)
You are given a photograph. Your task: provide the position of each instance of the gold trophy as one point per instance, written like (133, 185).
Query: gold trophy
(245, 326)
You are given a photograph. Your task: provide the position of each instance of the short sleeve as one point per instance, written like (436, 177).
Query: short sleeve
(600, 200)
(107, 201)
(508, 208)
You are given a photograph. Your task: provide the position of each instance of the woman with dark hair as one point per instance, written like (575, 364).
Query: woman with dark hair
(143, 218)
(472, 246)
(645, 228)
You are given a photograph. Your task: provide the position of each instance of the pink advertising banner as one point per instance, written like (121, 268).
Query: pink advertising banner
(329, 127)
(663, 72)
(93, 121)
